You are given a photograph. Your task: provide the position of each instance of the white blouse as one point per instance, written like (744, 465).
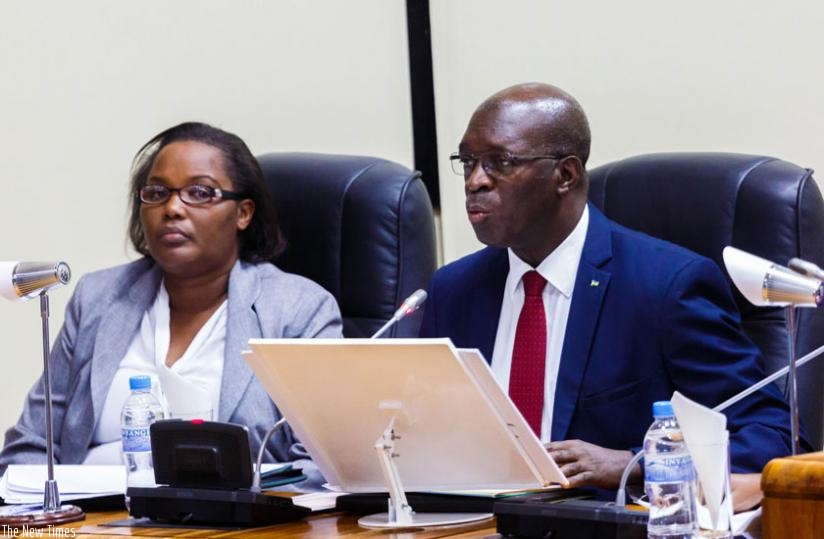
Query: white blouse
(189, 388)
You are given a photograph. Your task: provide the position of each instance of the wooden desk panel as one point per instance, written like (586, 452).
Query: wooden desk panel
(315, 527)
(794, 497)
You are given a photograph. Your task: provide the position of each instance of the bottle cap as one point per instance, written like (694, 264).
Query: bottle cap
(662, 409)
(140, 382)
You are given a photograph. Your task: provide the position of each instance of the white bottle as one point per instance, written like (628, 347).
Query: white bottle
(669, 478)
(140, 410)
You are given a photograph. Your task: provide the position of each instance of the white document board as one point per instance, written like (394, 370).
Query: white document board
(458, 430)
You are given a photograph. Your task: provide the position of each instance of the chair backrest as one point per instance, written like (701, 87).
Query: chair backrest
(361, 227)
(762, 205)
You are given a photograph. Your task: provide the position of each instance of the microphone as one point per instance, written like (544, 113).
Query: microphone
(409, 306)
(764, 283)
(806, 268)
(27, 280)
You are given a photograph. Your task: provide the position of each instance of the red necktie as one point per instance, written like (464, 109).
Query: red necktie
(526, 378)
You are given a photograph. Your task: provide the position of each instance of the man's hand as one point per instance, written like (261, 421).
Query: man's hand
(585, 464)
(746, 491)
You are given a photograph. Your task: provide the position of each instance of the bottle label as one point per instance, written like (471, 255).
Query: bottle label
(136, 440)
(661, 469)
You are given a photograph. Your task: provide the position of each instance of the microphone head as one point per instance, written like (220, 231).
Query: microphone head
(409, 306)
(27, 280)
(6, 282)
(416, 299)
(764, 283)
(413, 302)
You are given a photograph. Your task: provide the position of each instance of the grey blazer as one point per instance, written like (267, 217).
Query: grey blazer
(102, 318)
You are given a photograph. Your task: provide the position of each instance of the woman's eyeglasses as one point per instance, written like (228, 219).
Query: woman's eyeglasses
(193, 195)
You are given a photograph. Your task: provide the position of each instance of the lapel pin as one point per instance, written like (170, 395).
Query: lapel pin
(594, 283)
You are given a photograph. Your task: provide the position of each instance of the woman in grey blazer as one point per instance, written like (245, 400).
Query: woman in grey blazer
(202, 218)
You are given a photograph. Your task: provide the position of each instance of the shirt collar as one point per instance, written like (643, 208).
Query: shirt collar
(560, 267)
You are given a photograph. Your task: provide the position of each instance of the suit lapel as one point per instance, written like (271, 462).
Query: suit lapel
(118, 326)
(241, 325)
(591, 284)
(483, 310)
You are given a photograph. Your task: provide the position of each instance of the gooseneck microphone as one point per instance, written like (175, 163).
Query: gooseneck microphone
(27, 280)
(256, 478)
(409, 306)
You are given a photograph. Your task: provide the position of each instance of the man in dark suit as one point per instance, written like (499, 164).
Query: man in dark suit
(587, 323)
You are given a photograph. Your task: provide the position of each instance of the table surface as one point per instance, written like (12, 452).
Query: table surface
(320, 525)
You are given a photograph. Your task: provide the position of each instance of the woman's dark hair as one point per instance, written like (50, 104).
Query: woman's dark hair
(262, 240)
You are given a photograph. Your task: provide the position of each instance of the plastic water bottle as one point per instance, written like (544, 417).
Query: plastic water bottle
(669, 478)
(140, 410)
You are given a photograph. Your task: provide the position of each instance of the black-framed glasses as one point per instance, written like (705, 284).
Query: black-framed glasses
(194, 195)
(496, 164)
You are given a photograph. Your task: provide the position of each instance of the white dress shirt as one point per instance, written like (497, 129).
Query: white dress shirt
(559, 269)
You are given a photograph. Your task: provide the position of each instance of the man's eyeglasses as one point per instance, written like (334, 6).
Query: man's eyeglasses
(193, 195)
(494, 163)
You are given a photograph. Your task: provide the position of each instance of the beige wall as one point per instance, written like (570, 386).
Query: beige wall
(83, 84)
(737, 75)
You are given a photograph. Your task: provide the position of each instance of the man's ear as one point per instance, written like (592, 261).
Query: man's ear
(571, 171)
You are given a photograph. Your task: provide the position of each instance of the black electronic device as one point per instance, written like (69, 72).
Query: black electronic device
(205, 472)
(445, 502)
(201, 454)
(241, 508)
(538, 517)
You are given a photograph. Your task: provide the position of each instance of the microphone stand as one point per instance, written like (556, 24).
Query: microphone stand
(52, 513)
(256, 478)
(768, 380)
(51, 495)
(791, 379)
(389, 323)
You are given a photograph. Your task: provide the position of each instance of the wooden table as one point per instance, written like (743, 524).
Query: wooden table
(319, 526)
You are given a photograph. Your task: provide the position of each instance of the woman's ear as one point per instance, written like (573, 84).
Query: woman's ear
(245, 211)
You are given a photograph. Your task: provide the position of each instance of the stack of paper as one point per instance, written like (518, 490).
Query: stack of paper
(23, 483)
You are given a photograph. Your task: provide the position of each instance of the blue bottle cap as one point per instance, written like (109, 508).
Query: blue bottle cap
(662, 409)
(140, 381)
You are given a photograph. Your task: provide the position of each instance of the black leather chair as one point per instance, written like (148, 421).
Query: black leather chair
(361, 227)
(762, 205)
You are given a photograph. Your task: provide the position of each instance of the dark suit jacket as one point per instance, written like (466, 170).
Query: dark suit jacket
(647, 318)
